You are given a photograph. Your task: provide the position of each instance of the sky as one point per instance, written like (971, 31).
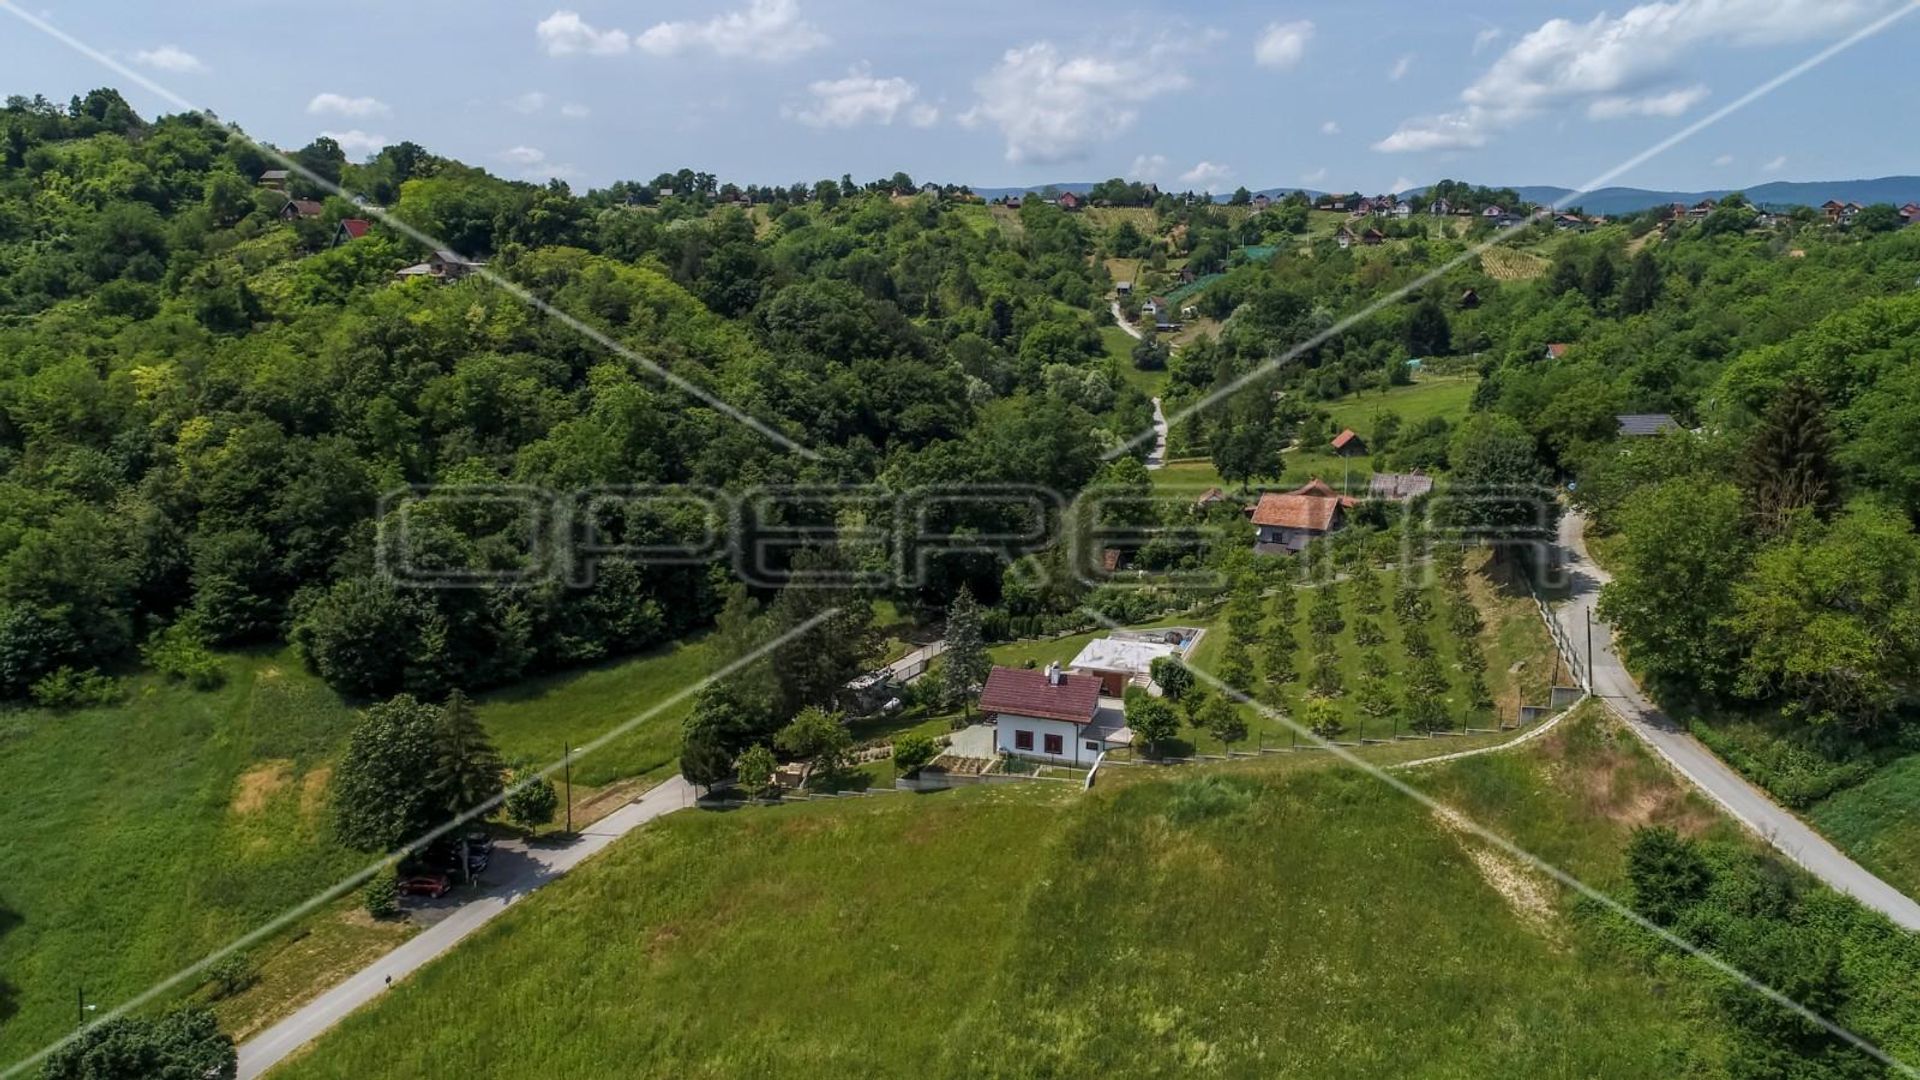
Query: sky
(1368, 95)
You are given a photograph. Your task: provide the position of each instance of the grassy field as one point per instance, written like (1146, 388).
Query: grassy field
(140, 837)
(1273, 920)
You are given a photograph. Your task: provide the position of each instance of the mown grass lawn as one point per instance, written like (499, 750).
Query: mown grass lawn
(1264, 919)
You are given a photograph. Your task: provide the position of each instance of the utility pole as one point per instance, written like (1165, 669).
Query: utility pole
(1589, 611)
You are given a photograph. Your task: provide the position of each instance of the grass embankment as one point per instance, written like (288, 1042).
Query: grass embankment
(140, 837)
(1878, 822)
(1287, 921)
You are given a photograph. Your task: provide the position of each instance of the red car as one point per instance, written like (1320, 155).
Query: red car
(434, 885)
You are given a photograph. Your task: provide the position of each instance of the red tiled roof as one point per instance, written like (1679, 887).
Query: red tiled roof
(1312, 506)
(1556, 349)
(356, 227)
(1341, 440)
(1022, 692)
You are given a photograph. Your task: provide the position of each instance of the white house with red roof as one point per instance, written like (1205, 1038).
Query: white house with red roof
(1052, 715)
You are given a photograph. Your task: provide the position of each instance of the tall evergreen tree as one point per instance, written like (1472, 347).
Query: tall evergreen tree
(1788, 463)
(1642, 289)
(965, 664)
(467, 770)
(1428, 333)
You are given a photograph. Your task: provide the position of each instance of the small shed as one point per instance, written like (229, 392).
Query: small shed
(1349, 444)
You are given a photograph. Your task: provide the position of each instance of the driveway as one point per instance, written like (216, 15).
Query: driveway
(1612, 683)
(515, 871)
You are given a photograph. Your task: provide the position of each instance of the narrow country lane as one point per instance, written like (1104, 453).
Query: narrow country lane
(1611, 682)
(520, 871)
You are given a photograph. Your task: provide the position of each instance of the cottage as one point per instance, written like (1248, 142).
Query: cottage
(1261, 202)
(1470, 299)
(350, 229)
(1495, 211)
(1349, 444)
(1910, 213)
(1373, 238)
(1208, 500)
(1439, 208)
(1344, 238)
(1120, 662)
(1155, 306)
(1052, 716)
(274, 179)
(1286, 522)
(1641, 425)
(1067, 201)
(300, 208)
(1012, 202)
(1573, 222)
(1186, 275)
(1402, 210)
(1701, 209)
(1399, 487)
(1124, 288)
(1556, 350)
(442, 265)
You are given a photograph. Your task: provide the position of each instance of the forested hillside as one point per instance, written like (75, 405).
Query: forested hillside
(201, 404)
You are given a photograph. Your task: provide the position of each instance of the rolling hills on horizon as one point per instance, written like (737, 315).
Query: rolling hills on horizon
(1622, 200)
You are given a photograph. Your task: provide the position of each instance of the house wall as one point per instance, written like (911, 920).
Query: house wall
(1072, 745)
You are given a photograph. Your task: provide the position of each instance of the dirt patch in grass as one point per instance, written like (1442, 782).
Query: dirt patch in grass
(258, 785)
(1525, 889)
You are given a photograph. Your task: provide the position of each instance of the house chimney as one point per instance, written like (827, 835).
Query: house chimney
(1053, 673)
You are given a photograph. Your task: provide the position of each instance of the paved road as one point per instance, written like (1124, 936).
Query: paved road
(515, 872)
(1748, 804)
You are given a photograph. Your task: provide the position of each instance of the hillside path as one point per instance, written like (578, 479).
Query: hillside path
(515, 872)
(1613, 684)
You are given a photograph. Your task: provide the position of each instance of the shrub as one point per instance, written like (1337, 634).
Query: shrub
(381, 894)
(532, 801)
(180, 653)
(231, 974)
(912, 751)
(65, 688)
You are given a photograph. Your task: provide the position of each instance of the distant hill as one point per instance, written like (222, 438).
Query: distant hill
(1623, 200)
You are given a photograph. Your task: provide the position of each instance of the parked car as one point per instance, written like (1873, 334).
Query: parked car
(433, 885)
(444, 854)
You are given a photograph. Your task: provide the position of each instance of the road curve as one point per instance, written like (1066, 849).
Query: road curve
(1611, 682)
(521, 870)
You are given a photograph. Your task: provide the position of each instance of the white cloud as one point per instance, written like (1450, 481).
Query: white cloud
(1400, 68)
(170, 58)
(1315, 176)
(1671, 103)
(1205, 173)
(342, 105)
(1282, 45)
(863, 98)
(564, 33)
(1775, 165)
(524, 155)
(1485, 38)
(764, 30)
(1052, 107)
(1723, 160)
(1619, 65)
(1148, 167)
(528, 103)
(1331, 127)
(357, 143)
(573, 110)
(1400, 184)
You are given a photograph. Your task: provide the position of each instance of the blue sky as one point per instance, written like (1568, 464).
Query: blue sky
(996, 92)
